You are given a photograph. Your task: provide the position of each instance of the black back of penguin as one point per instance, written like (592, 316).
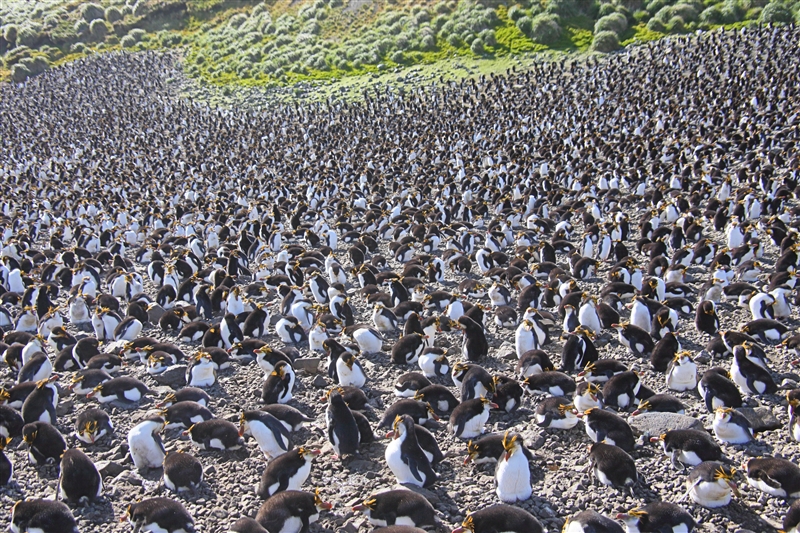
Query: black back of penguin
(393, 504)
(343, 431)
(506, 518)
(79, 479)
(169, 514)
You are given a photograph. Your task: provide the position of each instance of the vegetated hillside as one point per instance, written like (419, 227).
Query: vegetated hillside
(283, 41)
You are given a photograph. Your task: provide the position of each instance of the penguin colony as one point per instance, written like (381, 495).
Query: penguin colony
(503, 278)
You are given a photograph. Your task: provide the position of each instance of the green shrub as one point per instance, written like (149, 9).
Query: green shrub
(616, 23)
(442, 8)
(91, 12)
(113, 14)
(477, 47)
(563, 8)
(98, 29)
(676, 25)
(732, 11)
(427, 43)
(606, 9)
(656, 25)
(605, 41)
(654, 6)
(516, 12)
(754, 13)
(454, 41)
(489, 37)
(19, 73)
(524, 25)
(712, 16)
(139, 9)
(237, 20)
(545, 29)
(641, 16)
(128, 42)
(397, 57)
(28, 36)
(10, 33)
(776, 12)
(77, 48)
(685, 11)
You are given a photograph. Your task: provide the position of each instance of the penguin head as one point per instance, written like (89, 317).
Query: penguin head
(4, 442)
(4, 395)
(320, 504)
(307, 453)
(243, 427)
(467, 525)
(89, 430)
(724, 475)
(280, 371)
(723, 414)
(486, 402)
(633, 517)
(682, 358)
(29, 434)
(511, 444)
(564, 408)
(472, 451)
(168, 400)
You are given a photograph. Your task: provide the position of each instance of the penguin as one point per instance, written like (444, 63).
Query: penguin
(37, 368)
(500, 517)
(468, 419)
(271, 435)
(409, 383)
(247, 525)
(40, 405)
(681, 373)
(291, 511)
(767, 330)
(706, 319)
(202, 370)
(750, 377)
(405, 457)
(512, 474)
(159, 514)
(407, 349)
(611, 466)
(39, 515)
(214, 434)
(91, 425)
(637, 340)
(533, 362)
(349, 371)
(342, 429)
(384, 319)
(550, 382)
(717, 390)
(123, 389)
(791, 521)
(289, 330)
(45, 443)
(657, 517)
(419, 411)
(433, 362)
(145, 445)
(777, 477)
(587, 396)
(605, 426)
(182, 472)
(710, 484)
(473, 380)
(6, 466)
(474, 345)
(507, 393)
(186, 394)
(640, 314)
(291, 418)
(578, 351)
(591, 522)
(621, 390)
(660, 403)
(556, 412)
(688, 447)
(731, 426)
(398, 507)
(525, 338)
(279, 384)
(602, 370)
(439, 397)
(286, 472)
(665, 351)
(79, 480)
(184, 414)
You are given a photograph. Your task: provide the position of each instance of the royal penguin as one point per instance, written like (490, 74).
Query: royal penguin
(37, 368)
(578, 350)
(473, 381)
(45, 443)
(291, 511)
(587, 396)
(660, 403)
(409, 383)
(201, 370)
(145, 445)
(710, 484)
(750, 377)
(507, 393)
(184, 414)
(398, 507)
(349, 370)
(688, 447)
(640, 314)
(637, 340)
(162, 515)
(278, 384)
(489, 449)
(605, 426)
(421, 412)
(657, 517)
(621, 390)
(91, 425)
(556, 412)
(474, 345)
(469, 418)
(533, 362)
(591, 522)
(272, 436)
(681, 373)
(41, 402)
(767, 330)
(186, 394)
(791, 520)
(777, 477)
(286, 472)
(384, 318)
(550, 382)
(342, 429)
(6, 466)
(40, 515)
(717, 390)
(706, 319)
(369, 340)
(404, 456)
(124, 389)
(433, 362)
(612, 466)
(439, 397)
(664, 351)
(289, 330)
(182, 472)
(407, 349)
(512, 474)
(79, 480)
(500, 517)
(731, 427)
(247, 525)
(214, 434)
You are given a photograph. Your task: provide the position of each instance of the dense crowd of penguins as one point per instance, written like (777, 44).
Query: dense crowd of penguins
(631, 201)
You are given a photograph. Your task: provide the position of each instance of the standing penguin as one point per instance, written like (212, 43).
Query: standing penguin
(286, 472)
(145, 445)
(468, 420)
(278, 384)
(474, 346)
(79, 480)
(45, 443)
(40, 405)
(404, 456)
(349, 371)
(271, 435)
(342, 429)
(706, 319)
(512, 474)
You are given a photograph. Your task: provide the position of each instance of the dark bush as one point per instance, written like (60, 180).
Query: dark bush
(91, 12)
(545, 29)
(605, 41)
(776, 12)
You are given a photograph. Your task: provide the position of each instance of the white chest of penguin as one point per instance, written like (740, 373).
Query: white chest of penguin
(398, 466)
(513, 478)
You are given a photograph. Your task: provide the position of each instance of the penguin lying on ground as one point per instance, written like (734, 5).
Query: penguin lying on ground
(398, 507)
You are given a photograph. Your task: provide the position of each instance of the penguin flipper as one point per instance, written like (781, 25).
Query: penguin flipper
(686, 494)
(412, 465)
(280, 430)
(159, 442)
(769, 480)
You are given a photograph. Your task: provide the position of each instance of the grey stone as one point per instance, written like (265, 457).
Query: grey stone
(109, 468)
(659, 423)
(155, 313)
(320, 382)
(761, 418)
(309, 365)
(174, 376)
(65, 407)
